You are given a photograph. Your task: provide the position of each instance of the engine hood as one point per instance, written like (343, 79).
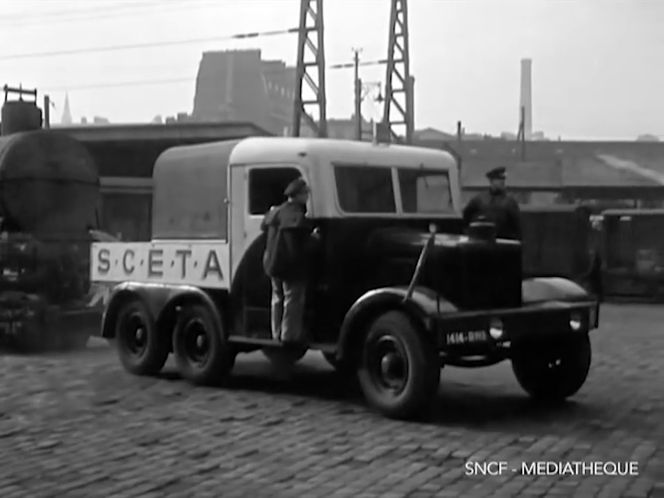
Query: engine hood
(470, 273)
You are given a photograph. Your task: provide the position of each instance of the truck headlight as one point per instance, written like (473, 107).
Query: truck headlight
(576, 321)
(496, 328)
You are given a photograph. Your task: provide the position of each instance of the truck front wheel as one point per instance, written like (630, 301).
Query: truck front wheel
(201, 353)
(398, 372)
(553, 370)
(140, 348)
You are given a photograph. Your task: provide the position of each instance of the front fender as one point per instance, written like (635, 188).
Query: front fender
(161, 301)
(537, 290)
(422, 304)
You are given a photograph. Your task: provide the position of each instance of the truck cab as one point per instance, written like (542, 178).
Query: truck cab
(397, 287)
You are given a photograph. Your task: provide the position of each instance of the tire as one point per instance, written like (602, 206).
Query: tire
(201, 352)
(554, 370)
(399, 372)
(142, 350)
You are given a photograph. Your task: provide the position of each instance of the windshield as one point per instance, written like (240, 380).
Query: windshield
(425, 191)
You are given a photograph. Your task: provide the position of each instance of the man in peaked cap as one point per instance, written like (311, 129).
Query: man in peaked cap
(285, 261)
(496, 206)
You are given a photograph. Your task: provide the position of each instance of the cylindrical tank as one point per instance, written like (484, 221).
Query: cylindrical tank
(19, 115)
(49, 183)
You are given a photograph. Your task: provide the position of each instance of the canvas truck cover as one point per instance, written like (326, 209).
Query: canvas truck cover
(49, 183)
(190, 192)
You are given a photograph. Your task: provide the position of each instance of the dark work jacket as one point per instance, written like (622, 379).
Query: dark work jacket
(288, 242)
(498, 208)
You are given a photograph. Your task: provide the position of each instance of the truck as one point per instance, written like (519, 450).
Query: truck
(49, 193)
(398, 287)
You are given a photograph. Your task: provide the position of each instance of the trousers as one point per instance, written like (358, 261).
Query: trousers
(287, 314)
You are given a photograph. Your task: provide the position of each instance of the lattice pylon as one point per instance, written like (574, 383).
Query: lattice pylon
(310, 70)
(398, 82)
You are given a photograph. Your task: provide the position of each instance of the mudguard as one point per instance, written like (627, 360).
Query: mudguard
(537, 290)
(422, 304)
(160, 299)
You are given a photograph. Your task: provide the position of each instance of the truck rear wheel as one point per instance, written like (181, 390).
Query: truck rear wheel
(398, 372)
(202, 354)
(141, 349)
(553, 370)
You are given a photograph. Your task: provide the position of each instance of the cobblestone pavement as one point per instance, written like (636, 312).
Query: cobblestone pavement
(78, 425)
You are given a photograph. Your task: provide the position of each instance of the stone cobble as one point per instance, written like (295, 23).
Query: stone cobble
(77, 425)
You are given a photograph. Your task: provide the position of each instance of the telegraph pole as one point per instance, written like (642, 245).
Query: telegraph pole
(358, 95)
(47, 111)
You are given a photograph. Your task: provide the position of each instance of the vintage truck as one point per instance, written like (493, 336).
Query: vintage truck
(398, 287)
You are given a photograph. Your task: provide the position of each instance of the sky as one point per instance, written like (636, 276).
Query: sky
(597, 64)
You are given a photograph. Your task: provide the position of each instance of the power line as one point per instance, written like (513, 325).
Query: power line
(148, 82)
(53, 14)
(349, 65)
(83, 15)
(133, 46)
(119, 84)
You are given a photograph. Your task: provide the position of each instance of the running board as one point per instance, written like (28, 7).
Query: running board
(271, 343)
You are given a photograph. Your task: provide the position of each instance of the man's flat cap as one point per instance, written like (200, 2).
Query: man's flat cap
(495, 173)
(296, 187)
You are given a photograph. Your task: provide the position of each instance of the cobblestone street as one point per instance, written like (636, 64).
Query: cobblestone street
(78, 425)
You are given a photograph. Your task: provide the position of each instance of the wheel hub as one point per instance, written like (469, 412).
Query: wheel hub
(196, 342)
(140, 334)
(391, 366)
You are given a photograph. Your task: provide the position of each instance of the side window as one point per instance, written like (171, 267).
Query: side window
(266, 187)
(425, 191)
(364, 189)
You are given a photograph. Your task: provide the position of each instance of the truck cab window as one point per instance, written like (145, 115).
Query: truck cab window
(266, 187)
(364, 189)
(425, 191)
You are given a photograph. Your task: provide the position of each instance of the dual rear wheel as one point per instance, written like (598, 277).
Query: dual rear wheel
(201, 353)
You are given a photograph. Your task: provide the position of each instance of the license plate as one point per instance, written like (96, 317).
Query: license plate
(466, 337)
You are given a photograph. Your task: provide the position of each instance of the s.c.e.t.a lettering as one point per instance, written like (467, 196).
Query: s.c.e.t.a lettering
(127, 263)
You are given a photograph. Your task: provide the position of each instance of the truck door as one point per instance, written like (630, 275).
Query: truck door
(254, 190)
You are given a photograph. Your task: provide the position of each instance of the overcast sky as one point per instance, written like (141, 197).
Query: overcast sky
(597, 64)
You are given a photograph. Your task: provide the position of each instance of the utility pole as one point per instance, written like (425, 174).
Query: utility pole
(311, 21)
(47, 111)
(358, 95)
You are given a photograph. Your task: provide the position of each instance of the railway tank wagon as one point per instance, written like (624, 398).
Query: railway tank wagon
(49, 193)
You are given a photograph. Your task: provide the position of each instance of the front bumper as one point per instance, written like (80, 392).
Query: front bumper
(484, 331)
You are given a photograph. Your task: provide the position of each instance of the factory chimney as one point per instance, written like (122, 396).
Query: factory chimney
(526, 100)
